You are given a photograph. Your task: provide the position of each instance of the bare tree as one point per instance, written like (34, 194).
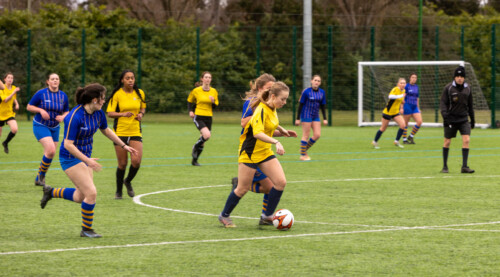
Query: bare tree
(33, 5)
(155, 11)
(361, 12)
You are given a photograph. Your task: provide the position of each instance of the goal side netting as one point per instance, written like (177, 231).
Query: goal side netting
(377, 79)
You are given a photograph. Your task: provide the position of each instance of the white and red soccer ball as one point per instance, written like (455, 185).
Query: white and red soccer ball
(283, 219)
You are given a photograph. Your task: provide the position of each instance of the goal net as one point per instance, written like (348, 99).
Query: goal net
(376, 80)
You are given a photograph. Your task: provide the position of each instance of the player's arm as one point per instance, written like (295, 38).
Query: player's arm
(114, 138)
(16, 105)
(34, 109)
(245, 120)
(7, 99)
(282, 132)
(2, 86)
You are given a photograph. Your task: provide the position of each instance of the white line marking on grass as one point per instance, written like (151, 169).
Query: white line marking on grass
(246, 239)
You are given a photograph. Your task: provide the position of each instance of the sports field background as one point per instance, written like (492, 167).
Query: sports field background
(358, 211)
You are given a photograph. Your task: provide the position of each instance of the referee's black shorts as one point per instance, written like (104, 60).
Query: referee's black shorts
(450, 130)
(203, 121)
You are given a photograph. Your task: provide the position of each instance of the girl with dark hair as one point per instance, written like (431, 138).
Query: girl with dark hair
(75, 153)
(8, 106)
(255, 152)
(50, 106)
(201, 102)
(127, 106)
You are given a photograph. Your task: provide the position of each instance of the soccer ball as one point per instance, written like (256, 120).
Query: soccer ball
(283, 219)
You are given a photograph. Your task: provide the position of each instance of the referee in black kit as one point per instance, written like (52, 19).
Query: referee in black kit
(456, 108)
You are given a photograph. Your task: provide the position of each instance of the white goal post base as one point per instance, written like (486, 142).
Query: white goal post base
(376, 79)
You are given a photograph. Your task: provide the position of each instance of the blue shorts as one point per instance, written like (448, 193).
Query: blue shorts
(259, 176)
(41, 131)
(68, 163)
(308, 120)
(410, 109)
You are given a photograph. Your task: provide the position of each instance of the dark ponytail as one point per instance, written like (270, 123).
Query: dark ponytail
(86, 94)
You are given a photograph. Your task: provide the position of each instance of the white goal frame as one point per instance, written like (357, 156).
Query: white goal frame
(361, 123)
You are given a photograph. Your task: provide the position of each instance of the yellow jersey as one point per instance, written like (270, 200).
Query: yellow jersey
(127, 102)
(201, 98)
(393, 106)
(264, 120)
(7, 108)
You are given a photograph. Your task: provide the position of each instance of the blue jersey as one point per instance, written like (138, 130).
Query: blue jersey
(247, 111)
(80, 127)
(412, 94)
(54, 103)
(311, 100)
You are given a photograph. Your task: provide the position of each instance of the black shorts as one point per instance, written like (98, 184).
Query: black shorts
(255, 166)
(3, 122)
(450, 131)
(203, 121)
(389, 117)
(127, 140)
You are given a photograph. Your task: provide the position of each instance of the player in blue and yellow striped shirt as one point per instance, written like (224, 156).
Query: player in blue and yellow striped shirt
(311, 101)
(75, 153)
(50, 106)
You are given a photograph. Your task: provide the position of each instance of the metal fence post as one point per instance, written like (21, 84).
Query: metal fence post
(83, 57)
(139, 56)
(28, 74)
(294, 72)
(330, 74)
(493, 75)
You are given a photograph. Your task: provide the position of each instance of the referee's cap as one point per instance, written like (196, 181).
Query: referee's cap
(460, 71)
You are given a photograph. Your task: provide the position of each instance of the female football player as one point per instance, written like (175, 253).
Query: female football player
(51, 106)
(201, 102)
(393, 110)
(8, 106)
(255, 152)
(311, 100)
(412, 109)
(127, 106)
(75, 153)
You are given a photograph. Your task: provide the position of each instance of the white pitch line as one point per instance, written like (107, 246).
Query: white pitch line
(201, 241)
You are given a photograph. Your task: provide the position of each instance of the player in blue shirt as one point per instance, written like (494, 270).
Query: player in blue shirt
(311, 101)
(50, 106)
(411, 109)
(75, 153)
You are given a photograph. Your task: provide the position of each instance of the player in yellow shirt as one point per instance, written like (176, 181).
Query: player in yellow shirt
(8, 104)
(393, 110)
(127, 105)
(255, 152)
(201, 102)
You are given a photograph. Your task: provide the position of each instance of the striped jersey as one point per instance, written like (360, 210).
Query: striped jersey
(394, 105)
(7, 108)
(412, 94)
(201, 98)
(311, 100)
(80, 127)
(54, 103)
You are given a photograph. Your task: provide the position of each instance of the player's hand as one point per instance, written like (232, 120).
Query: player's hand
(191, 114)
(138, 117)
(279, 149)
(325, 122)
(94, 164)
(297, 122)
(45, 115)
(59, 118)
(292, 133)
(127, 114)
(16, 107)
(130, 150)
(211, 98)
(16, 90)
(472, 124)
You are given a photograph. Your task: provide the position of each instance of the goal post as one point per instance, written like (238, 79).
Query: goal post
(376, 80)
